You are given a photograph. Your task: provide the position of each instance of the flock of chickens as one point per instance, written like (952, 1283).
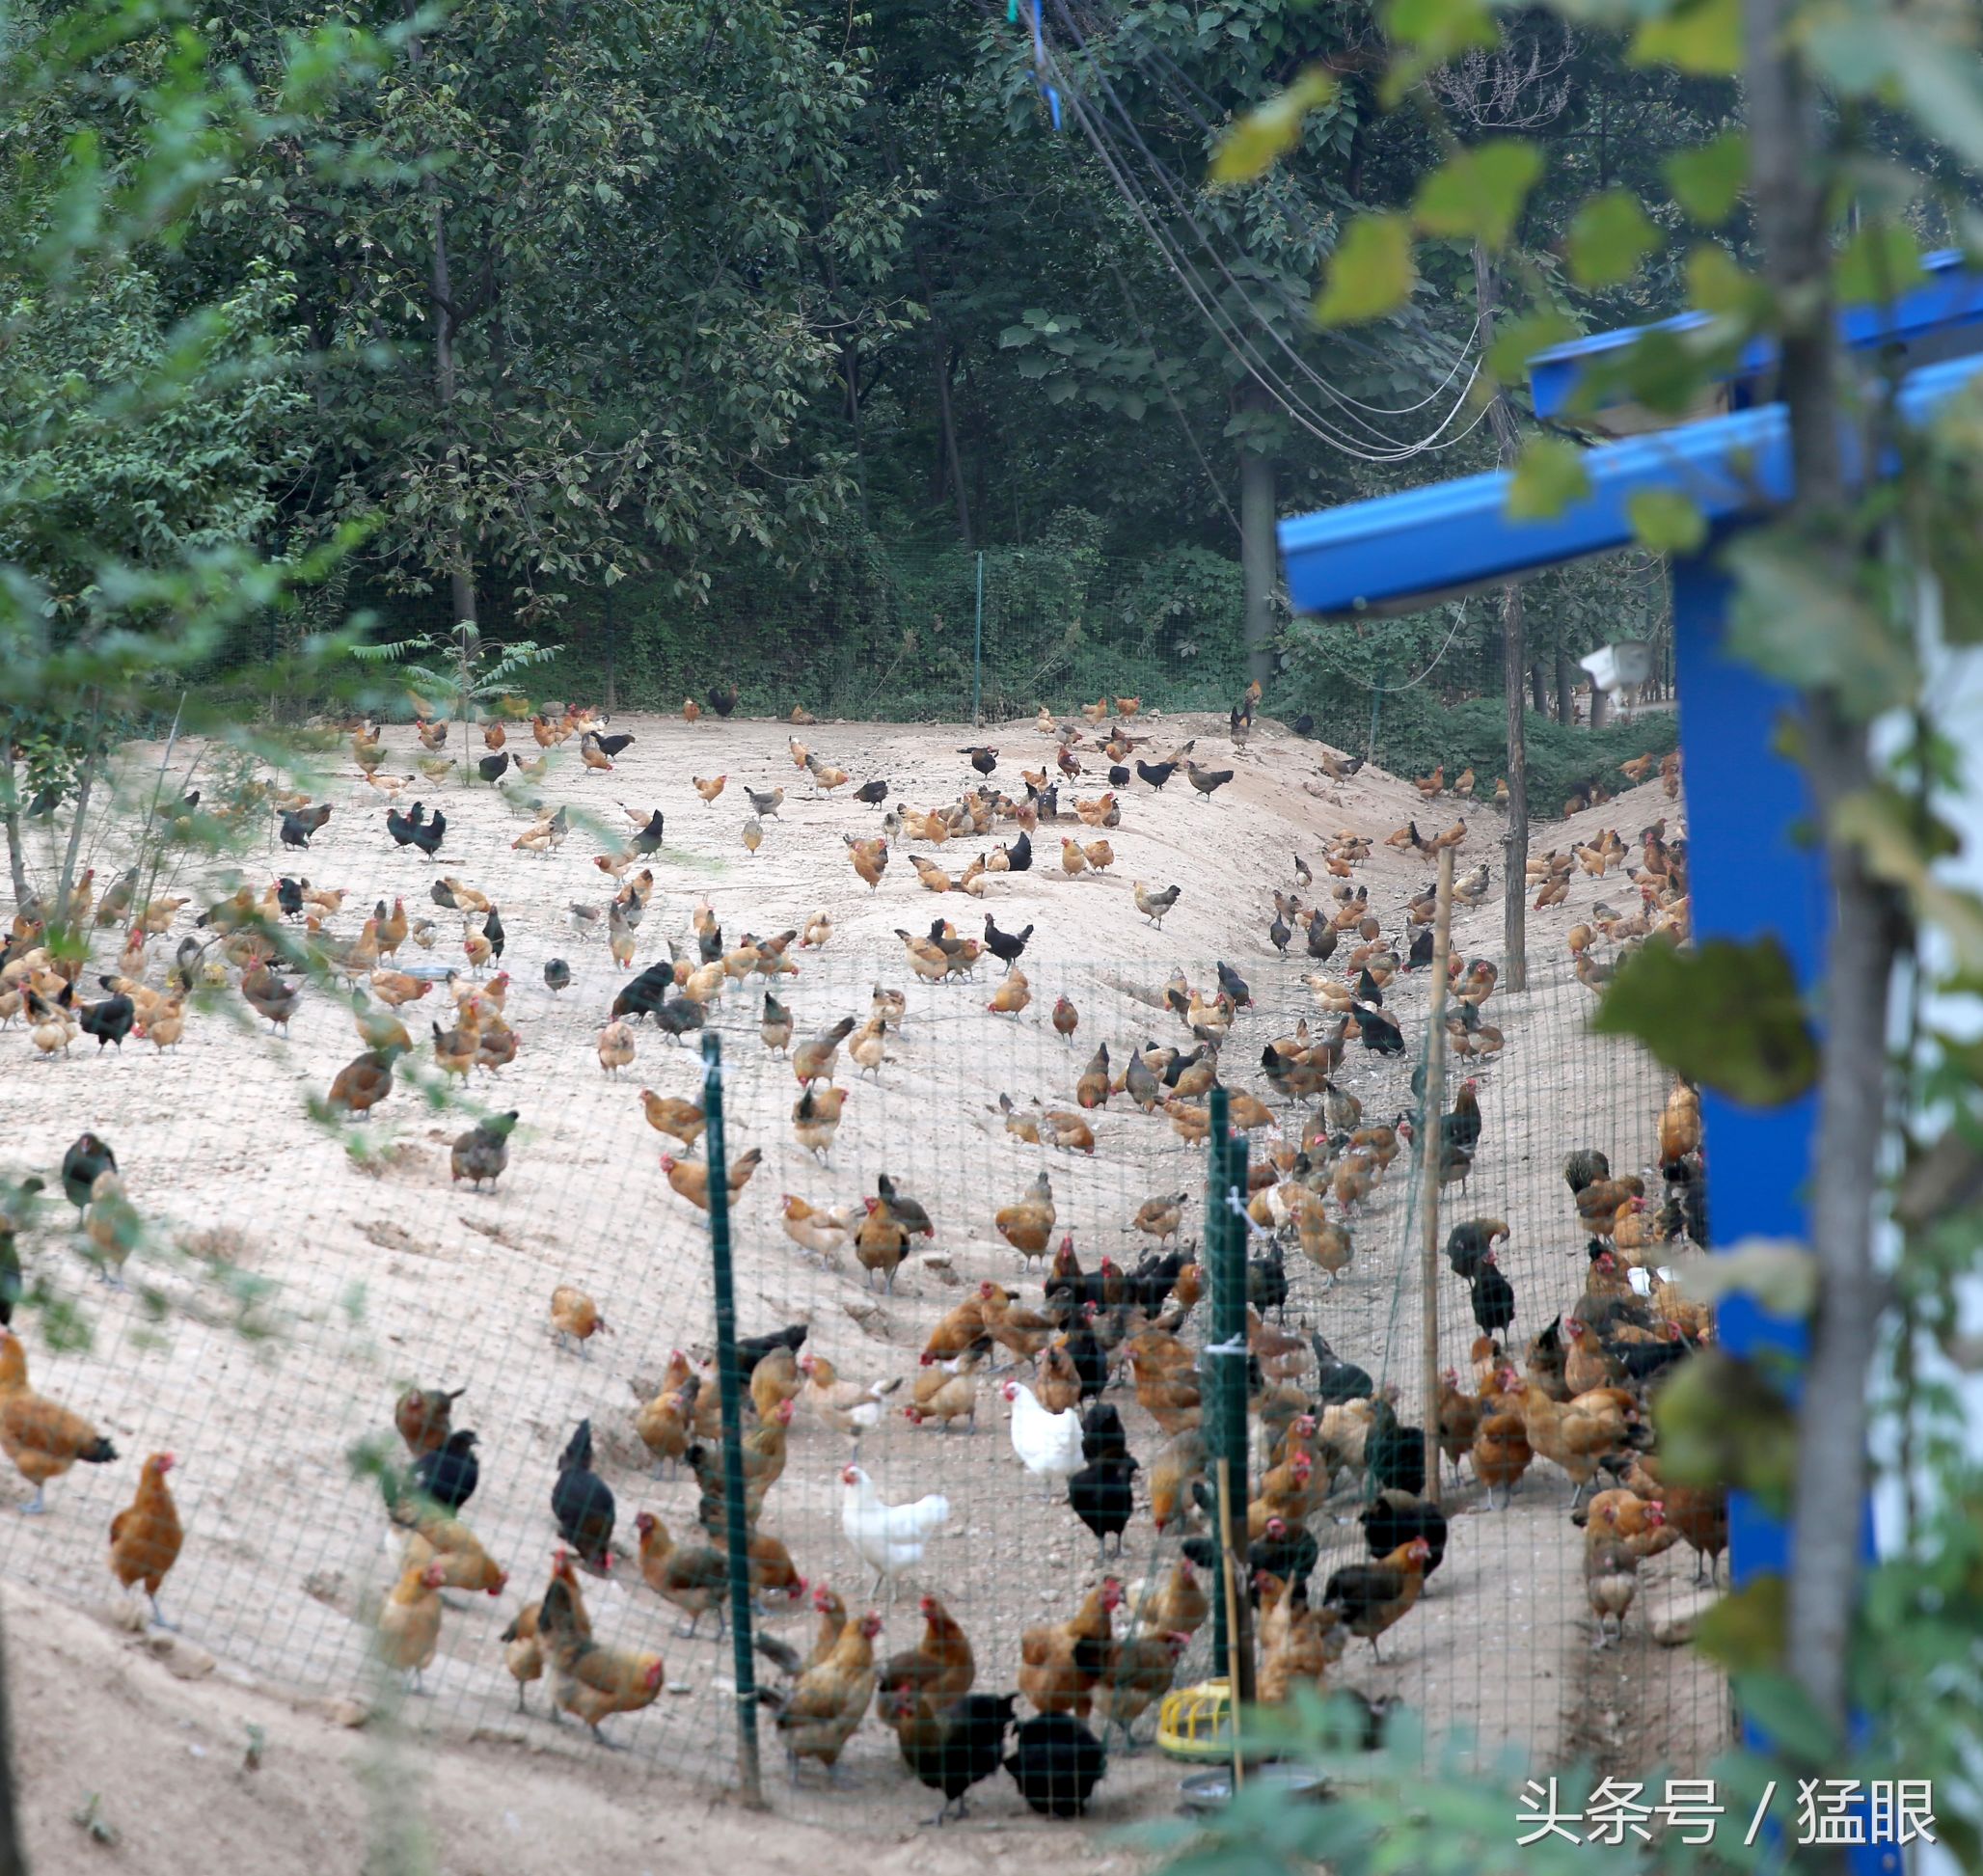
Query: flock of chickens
(1320, 1424)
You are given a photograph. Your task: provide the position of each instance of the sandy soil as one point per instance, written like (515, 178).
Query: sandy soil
(365, 1274)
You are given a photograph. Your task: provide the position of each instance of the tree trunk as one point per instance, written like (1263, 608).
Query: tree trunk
(953, 465)
(1539, 689)
(1565, 690)
(1788, 176)
(67, 883)
(460, 574)
(612, 650)
(1259, 551)
(1601, 707)
(10, 812)
(1514, 903)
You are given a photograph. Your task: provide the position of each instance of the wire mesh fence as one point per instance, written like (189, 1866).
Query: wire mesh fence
(296, 1276)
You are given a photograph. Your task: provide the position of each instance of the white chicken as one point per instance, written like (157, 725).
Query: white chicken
(1048, 1443)
(890, 1538)
(848, 1407)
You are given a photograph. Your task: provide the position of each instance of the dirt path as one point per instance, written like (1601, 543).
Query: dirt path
(366, 1277)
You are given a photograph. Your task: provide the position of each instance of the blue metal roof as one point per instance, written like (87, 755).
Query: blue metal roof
(1930, 322)
(1399, 552)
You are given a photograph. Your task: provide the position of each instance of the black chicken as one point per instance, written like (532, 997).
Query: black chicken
(87, 1159)
(1468, 1243)
(1057, 1763)
(109, 1019)
(1394, 1518)
(1323, 937)
(428, 836)
(1019, 856)
(1102, 1497)
(1337, 1381)
(1234, 986)
(1494, 1297)
(451, 1472)
(724, 701)
(645, 994)
(492, 767)
(610, 745)
(1102, 1431)
(582, 1502)
(1006, 946)
(952, 1749)
(290, 897)
(1266, 1281)
(558, 974)
(298, 825)
(491, 930)
(872, 794)
(983, 760)
(1380, 1035)
(1393, 1455)
(1157, 774)
(679, 1015)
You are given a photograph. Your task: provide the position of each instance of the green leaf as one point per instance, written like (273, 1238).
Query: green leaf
(1479, 192)
(1878, 262)
(1744, 1630)
(1716, 283)
(1550, 476)
(1700, 37)
(1708, 183)
(1795, 619)
(1722, 1421)
(1608, 238)
(1432, 32)
(1780, 1708)
(1518, 341)
(1371, 273)
(1666, 520)
(1727, 1016)
(1884, 825)
(1253, 144)
(1941, 84)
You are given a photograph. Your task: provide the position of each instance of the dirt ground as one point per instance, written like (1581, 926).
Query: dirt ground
(361, 1274)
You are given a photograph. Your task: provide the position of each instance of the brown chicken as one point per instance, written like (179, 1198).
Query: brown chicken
(409, 1624)
(1027, 1224)
(41, 1438)
(680, 1120)
(1178, 1604)
(576, 1317)
(941, 1667)
(945, 1393)
(881, 1242)
(962, 1328)
(523, 1649)
(690, 1177)
(1370, 1598)
(423, 1416)
(1297, 1643)
(1459, 1419)
(1062, 1662)
(589, 1680)
(463, 1562)
(145, 1537)
(1611, 1575)
(1500, 1452)
(1140, 1675)
(694, 1580)
(1171, 1398)
(828, 1700)
(1578, 1435)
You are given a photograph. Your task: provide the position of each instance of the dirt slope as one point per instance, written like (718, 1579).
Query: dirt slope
(367, 1278)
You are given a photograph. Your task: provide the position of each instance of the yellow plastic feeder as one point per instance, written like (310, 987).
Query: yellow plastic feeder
(1197, 1722)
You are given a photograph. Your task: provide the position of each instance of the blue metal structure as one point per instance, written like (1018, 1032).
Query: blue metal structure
(1749, 872)
(1935, 320)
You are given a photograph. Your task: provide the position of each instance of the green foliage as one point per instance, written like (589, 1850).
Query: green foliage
(1370, 274)
(1724, 1015)
(1479, 192)
(1260, 139)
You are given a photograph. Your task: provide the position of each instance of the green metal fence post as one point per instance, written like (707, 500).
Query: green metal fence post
(1226, 1248)
(730, 1386)
(978, 649)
